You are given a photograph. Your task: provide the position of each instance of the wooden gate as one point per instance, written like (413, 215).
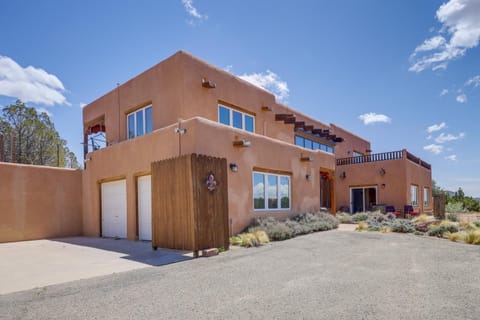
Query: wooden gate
(439, 205)
(190, 203)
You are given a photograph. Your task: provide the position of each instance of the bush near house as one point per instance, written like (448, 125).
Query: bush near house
(301, 224)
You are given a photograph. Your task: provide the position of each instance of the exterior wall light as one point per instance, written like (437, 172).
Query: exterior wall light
(266, 108)
(381, 172)
(180, 130)
(306, 158)
(233, 167)
(383, 185)
(208, 84)
(242, 143)
(308, 177)
(342, 175)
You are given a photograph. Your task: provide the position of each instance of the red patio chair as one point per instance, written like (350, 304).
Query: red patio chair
(409, 211)
(391, 209)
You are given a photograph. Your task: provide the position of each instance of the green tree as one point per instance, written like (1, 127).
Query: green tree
(459, 195)
(33, 137)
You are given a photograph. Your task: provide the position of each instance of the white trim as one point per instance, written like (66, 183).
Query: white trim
(230, 117)
(265, 191)
(363, 197)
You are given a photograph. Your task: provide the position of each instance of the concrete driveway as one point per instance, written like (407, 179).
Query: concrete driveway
(31, 264)
(326, 275)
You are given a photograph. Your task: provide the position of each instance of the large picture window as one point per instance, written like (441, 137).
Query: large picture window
(235, 118)
(139, 122)
(414, 195)
(271, 191)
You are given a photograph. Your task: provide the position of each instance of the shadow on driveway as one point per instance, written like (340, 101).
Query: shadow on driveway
(138, 251)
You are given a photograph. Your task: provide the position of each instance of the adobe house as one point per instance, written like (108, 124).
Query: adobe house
(183, 128)
(281, 162)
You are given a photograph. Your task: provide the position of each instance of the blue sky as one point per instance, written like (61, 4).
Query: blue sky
(402, 74)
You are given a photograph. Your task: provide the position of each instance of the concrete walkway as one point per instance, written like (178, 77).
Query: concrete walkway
(30, 264)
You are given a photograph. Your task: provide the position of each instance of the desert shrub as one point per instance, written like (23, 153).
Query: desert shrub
(261, 236)
(362, 225)
(456, 236)
(424, 226)
(376, 221)
(344, 217)
(476, 224)
(390, 216)
(455, 207)
(301, 224)
(452, 216)
(385, 230)
(402, 225)
(419, 233)
(440, 230)
(297, 228)
(472, 237)
(421, 218)
(361, 216)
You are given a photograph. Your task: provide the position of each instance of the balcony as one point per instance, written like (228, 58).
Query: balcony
(385, 156)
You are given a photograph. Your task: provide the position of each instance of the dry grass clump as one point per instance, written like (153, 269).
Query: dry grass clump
(250, 239)
(421, 218)
(472, 237)
(362, 226)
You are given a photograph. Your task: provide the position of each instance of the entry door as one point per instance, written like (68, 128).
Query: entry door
(325, 191)
(145, 208)
(114, 209)
(362, 199)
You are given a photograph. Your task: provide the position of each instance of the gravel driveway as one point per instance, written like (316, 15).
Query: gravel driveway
(327, 275)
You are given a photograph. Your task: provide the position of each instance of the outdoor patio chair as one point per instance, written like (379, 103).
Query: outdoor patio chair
(409, 211)
(391, 209)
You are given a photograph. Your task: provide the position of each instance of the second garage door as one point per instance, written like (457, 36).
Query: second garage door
(145, 208)
(114, 209)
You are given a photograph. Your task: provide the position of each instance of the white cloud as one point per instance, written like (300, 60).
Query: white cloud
(41, 110)
(452, 157)
(436, 127)
(228, 68)
(429, 137)
(269, 81)
(475, 81)
(444, 92)
(82, 105)
(442, 138)
(461, 98)
(30, 84)
(193, 12)
(434, 148)
(460, 22)
(372, 118)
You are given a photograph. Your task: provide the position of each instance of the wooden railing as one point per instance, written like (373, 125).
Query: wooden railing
(392, 155)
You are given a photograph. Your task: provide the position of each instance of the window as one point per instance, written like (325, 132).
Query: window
(139, 122)
(313, 145)
(235, 118)
(426, 197)
(414, 195)
(271, 191)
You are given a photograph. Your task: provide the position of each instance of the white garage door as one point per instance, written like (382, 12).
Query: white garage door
(114, 209)
(145, 208)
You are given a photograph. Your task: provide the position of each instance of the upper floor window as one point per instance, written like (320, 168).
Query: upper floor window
(357, 154)
(139, 122)
(235, 118)
(311, 144)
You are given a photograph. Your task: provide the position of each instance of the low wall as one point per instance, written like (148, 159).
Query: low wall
(38, 202)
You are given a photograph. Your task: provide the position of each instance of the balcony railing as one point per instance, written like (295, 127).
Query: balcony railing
(384, 156)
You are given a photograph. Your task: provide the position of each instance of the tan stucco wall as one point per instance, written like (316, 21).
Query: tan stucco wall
(174, 87)
(132, 158)
(399, 175)
(39, 202)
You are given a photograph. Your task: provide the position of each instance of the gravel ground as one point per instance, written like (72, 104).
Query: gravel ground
(327, 275)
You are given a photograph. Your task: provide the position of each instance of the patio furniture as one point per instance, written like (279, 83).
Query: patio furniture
(409, 211)
(391, 209)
